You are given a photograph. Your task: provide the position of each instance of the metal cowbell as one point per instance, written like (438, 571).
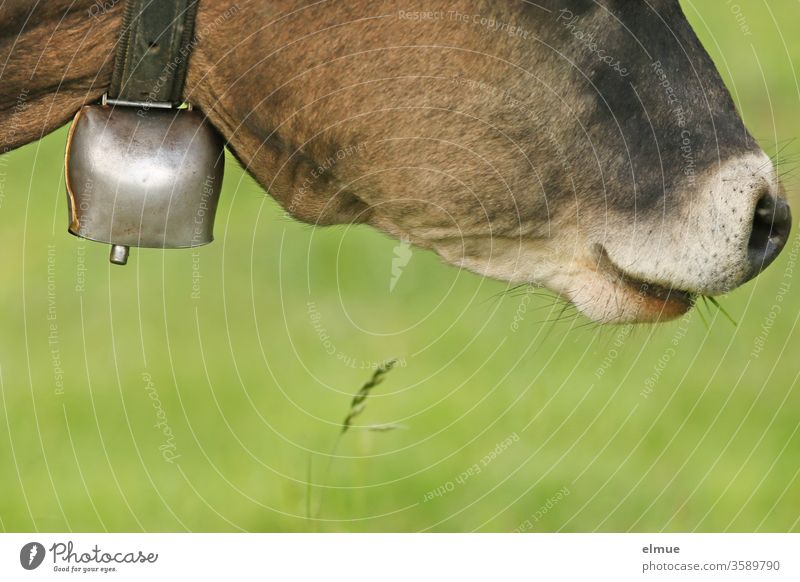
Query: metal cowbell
(143, 177)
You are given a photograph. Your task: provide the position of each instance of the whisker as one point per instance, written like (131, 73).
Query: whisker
(722, 310)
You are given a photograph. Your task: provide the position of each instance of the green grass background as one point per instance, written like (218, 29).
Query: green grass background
(251, 392)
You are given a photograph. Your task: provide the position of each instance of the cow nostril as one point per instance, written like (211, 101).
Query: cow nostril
(771, 226)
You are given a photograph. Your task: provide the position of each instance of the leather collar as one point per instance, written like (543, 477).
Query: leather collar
(154, 47)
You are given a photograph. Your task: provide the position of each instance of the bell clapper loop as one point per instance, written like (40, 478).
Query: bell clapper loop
(145, 105)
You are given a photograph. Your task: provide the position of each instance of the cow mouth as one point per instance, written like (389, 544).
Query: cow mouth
(656, 301)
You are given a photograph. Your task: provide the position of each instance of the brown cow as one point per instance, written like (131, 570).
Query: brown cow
(589, 146)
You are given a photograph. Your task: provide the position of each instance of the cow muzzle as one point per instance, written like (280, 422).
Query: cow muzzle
(724, 230)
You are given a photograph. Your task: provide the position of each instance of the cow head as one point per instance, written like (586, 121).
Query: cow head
(589, 146)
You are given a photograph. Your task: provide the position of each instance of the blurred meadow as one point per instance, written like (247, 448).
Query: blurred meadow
(199, 390)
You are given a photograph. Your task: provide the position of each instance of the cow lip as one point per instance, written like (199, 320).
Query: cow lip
(663, 294)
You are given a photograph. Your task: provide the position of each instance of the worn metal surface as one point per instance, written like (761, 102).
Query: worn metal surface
(144, 178)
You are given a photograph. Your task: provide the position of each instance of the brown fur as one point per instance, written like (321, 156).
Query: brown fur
(55, 57)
